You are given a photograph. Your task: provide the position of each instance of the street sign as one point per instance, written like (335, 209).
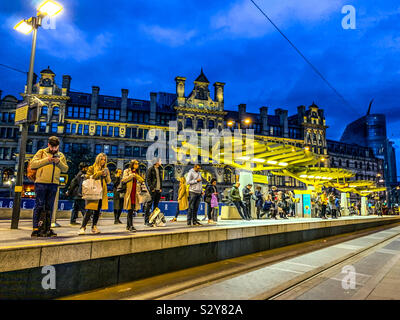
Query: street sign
(21, 113)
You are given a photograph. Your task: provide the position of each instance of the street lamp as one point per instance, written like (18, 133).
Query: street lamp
(46, 8)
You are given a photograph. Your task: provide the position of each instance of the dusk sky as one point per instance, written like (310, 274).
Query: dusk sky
(143, 45)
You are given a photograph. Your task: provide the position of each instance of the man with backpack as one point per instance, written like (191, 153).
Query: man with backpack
(75, 191)
(48, 164)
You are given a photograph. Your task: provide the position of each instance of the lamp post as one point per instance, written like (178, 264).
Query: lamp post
(50, 8)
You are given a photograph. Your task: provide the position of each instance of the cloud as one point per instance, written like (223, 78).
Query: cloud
(245, 20)
(67, 41)
(169, 36)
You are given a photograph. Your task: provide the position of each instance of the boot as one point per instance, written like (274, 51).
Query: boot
(49, 232)
(42, 228)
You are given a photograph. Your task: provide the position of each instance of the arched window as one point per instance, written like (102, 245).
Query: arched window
(168, 173)
(44, 111)
(180, 126)
(189, 123)
(56, 111)
(41, 144)
(211, 124)
(200, 124)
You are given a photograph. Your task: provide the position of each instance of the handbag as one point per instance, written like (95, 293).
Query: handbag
(144, 195)
(92, 189)
(121, 189)
(31, 173)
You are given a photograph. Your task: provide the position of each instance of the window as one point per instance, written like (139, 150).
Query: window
(136, 152)
(86, 130)
(114, 150)
(140, 134)
(200, 124)
(134, 133)
(98, 130)
(73, 129)
(128, 151)
(44, 111)
(42, 127)
(100, 114)
(189, 123)
(116, 131)
(68, 128)
(104, 131)
(128, 132)
(67, 147)
(54, 126)
(29, 145)
(107, 149)
(110, 131)
(97, 149)
(143, 151)
(69, 112)
(56, 111)
(11, 117)
(80, 126)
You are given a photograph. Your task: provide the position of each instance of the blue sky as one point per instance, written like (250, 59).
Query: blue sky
(143, 45)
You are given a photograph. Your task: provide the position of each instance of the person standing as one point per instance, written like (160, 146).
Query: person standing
(259, 202)
(332, 205)
(131, 200)
(154, 185)
(48, 163)
(97, 171)
(75, 191)
(269, 208)
(324, 203)
(234, 196)
(118, 197)
(195, 190)
(210, 190)
(214, 207)
(247, 195)
(183, 194)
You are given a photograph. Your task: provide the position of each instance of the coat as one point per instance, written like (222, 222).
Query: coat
(183, 194)
(48, 172)
(151, 178)
(94, 204)
(128, 178)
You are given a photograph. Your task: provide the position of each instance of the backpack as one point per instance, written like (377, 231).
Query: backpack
(31, 173)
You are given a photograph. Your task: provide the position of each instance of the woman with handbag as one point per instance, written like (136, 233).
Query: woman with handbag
(98, 171)
(133, 190)
(118, 198)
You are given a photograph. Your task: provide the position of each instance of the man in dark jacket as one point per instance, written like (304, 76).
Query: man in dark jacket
(234, 196)
(75, 191)
(247, 195)
(154, 185)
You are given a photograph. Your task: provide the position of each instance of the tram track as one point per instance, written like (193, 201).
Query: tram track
(173, 284)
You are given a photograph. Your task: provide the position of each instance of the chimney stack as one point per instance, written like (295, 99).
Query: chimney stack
(124, 104)
(264, 120)
(153, 107)
(242, 111)
(94, 103)
(283, 121)
(66, 82)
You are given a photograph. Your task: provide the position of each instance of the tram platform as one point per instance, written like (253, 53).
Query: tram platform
(88, 262)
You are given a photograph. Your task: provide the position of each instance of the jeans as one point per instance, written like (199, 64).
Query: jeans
(209, 211)
(323, 211)
(79, 205)
(240, 208)
(248, 209)
(155, 199)
(96, 216)
(44, 201)
(194, 202)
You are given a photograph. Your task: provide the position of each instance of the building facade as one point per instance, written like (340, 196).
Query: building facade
(90, 123)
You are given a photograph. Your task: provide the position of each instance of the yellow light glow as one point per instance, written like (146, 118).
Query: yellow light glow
(247, 121)
(322, 159)
(230, 123)
(50, 8)
(272, 162)
(303, 176)
(307, 148)
(318, 177)
(23, 27)
(283, 164)
(244, 158)
(310, 177)
(259, 160)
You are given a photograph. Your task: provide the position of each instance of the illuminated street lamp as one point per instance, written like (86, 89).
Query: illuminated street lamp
(26, 26)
